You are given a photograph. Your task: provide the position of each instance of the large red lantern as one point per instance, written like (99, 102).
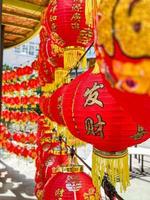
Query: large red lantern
(65, 23)
(70, 183)
(122, 35)
(98, 119)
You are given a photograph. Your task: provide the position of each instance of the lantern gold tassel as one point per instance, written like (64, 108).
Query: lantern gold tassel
(97, 69)
(89, 12)
(71, 140)
(91, 8)
(72, 56)
(115, 164)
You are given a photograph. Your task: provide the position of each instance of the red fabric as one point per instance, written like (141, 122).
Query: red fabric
(52, 162)
(119, 127)
(60, 19)
(46, 72)
(137, 105)
(67, 101)
(61, 186)
(55, 106)
(48, 53)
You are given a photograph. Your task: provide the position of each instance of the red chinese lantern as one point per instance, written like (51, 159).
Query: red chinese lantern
(50, 51)
(46, 72)
(127, 56)
(44, 103)
(54, 160)
(55, 105)
(65, 24)
(70, 183)
(98, 119)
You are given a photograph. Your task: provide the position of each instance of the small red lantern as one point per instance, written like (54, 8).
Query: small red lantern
(70, 183)
(98, 119)
(55, 159)
(56, 104)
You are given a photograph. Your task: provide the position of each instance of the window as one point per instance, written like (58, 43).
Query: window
(31, 50)
(17, 50)
(24, 49)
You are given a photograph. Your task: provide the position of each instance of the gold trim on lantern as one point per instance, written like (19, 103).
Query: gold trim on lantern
(70, 169)
(72, 55)
(59, 151)
(108, 155)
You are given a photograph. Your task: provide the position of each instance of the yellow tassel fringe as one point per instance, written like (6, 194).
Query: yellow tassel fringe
(72, 56)
(71, 140)
(116, 168)
(91, 8)
(60, 76)
(97, 69)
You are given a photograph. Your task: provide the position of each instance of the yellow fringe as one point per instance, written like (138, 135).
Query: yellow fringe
(96, 69)
(91, 8)
(89, 12)
(72, 56)
(48, 88)
(71, 140)
(60, 75)
(116, 168)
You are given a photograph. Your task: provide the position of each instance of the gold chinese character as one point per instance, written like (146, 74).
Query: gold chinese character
(95, 129)
(59, 106)
(53, 9)
(53, 2)
(53, 27)
(76, 17)
(53, 18)
(76, 7)
(78, 1)
(92, 95)
(59, 193)
(75, 25)
(140, 133)
(89, 195)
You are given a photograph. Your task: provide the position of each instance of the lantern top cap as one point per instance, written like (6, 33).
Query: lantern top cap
(70, 169)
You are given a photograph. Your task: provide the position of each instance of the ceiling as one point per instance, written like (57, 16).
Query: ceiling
(21, 19)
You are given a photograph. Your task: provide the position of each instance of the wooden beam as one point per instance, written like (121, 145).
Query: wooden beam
(18, 26)
(24, 6)
(13, 34)
(9, 40)
(21, 16)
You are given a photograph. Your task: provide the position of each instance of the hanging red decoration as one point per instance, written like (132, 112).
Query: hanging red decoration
(98, 119)
(55, 105)
(50, 51)
(70, 183)
(53, 160)
(46, 72)
(65, 24)
(127, 56)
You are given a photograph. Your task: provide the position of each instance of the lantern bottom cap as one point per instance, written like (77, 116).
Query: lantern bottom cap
(114, 164)
(113, 154)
